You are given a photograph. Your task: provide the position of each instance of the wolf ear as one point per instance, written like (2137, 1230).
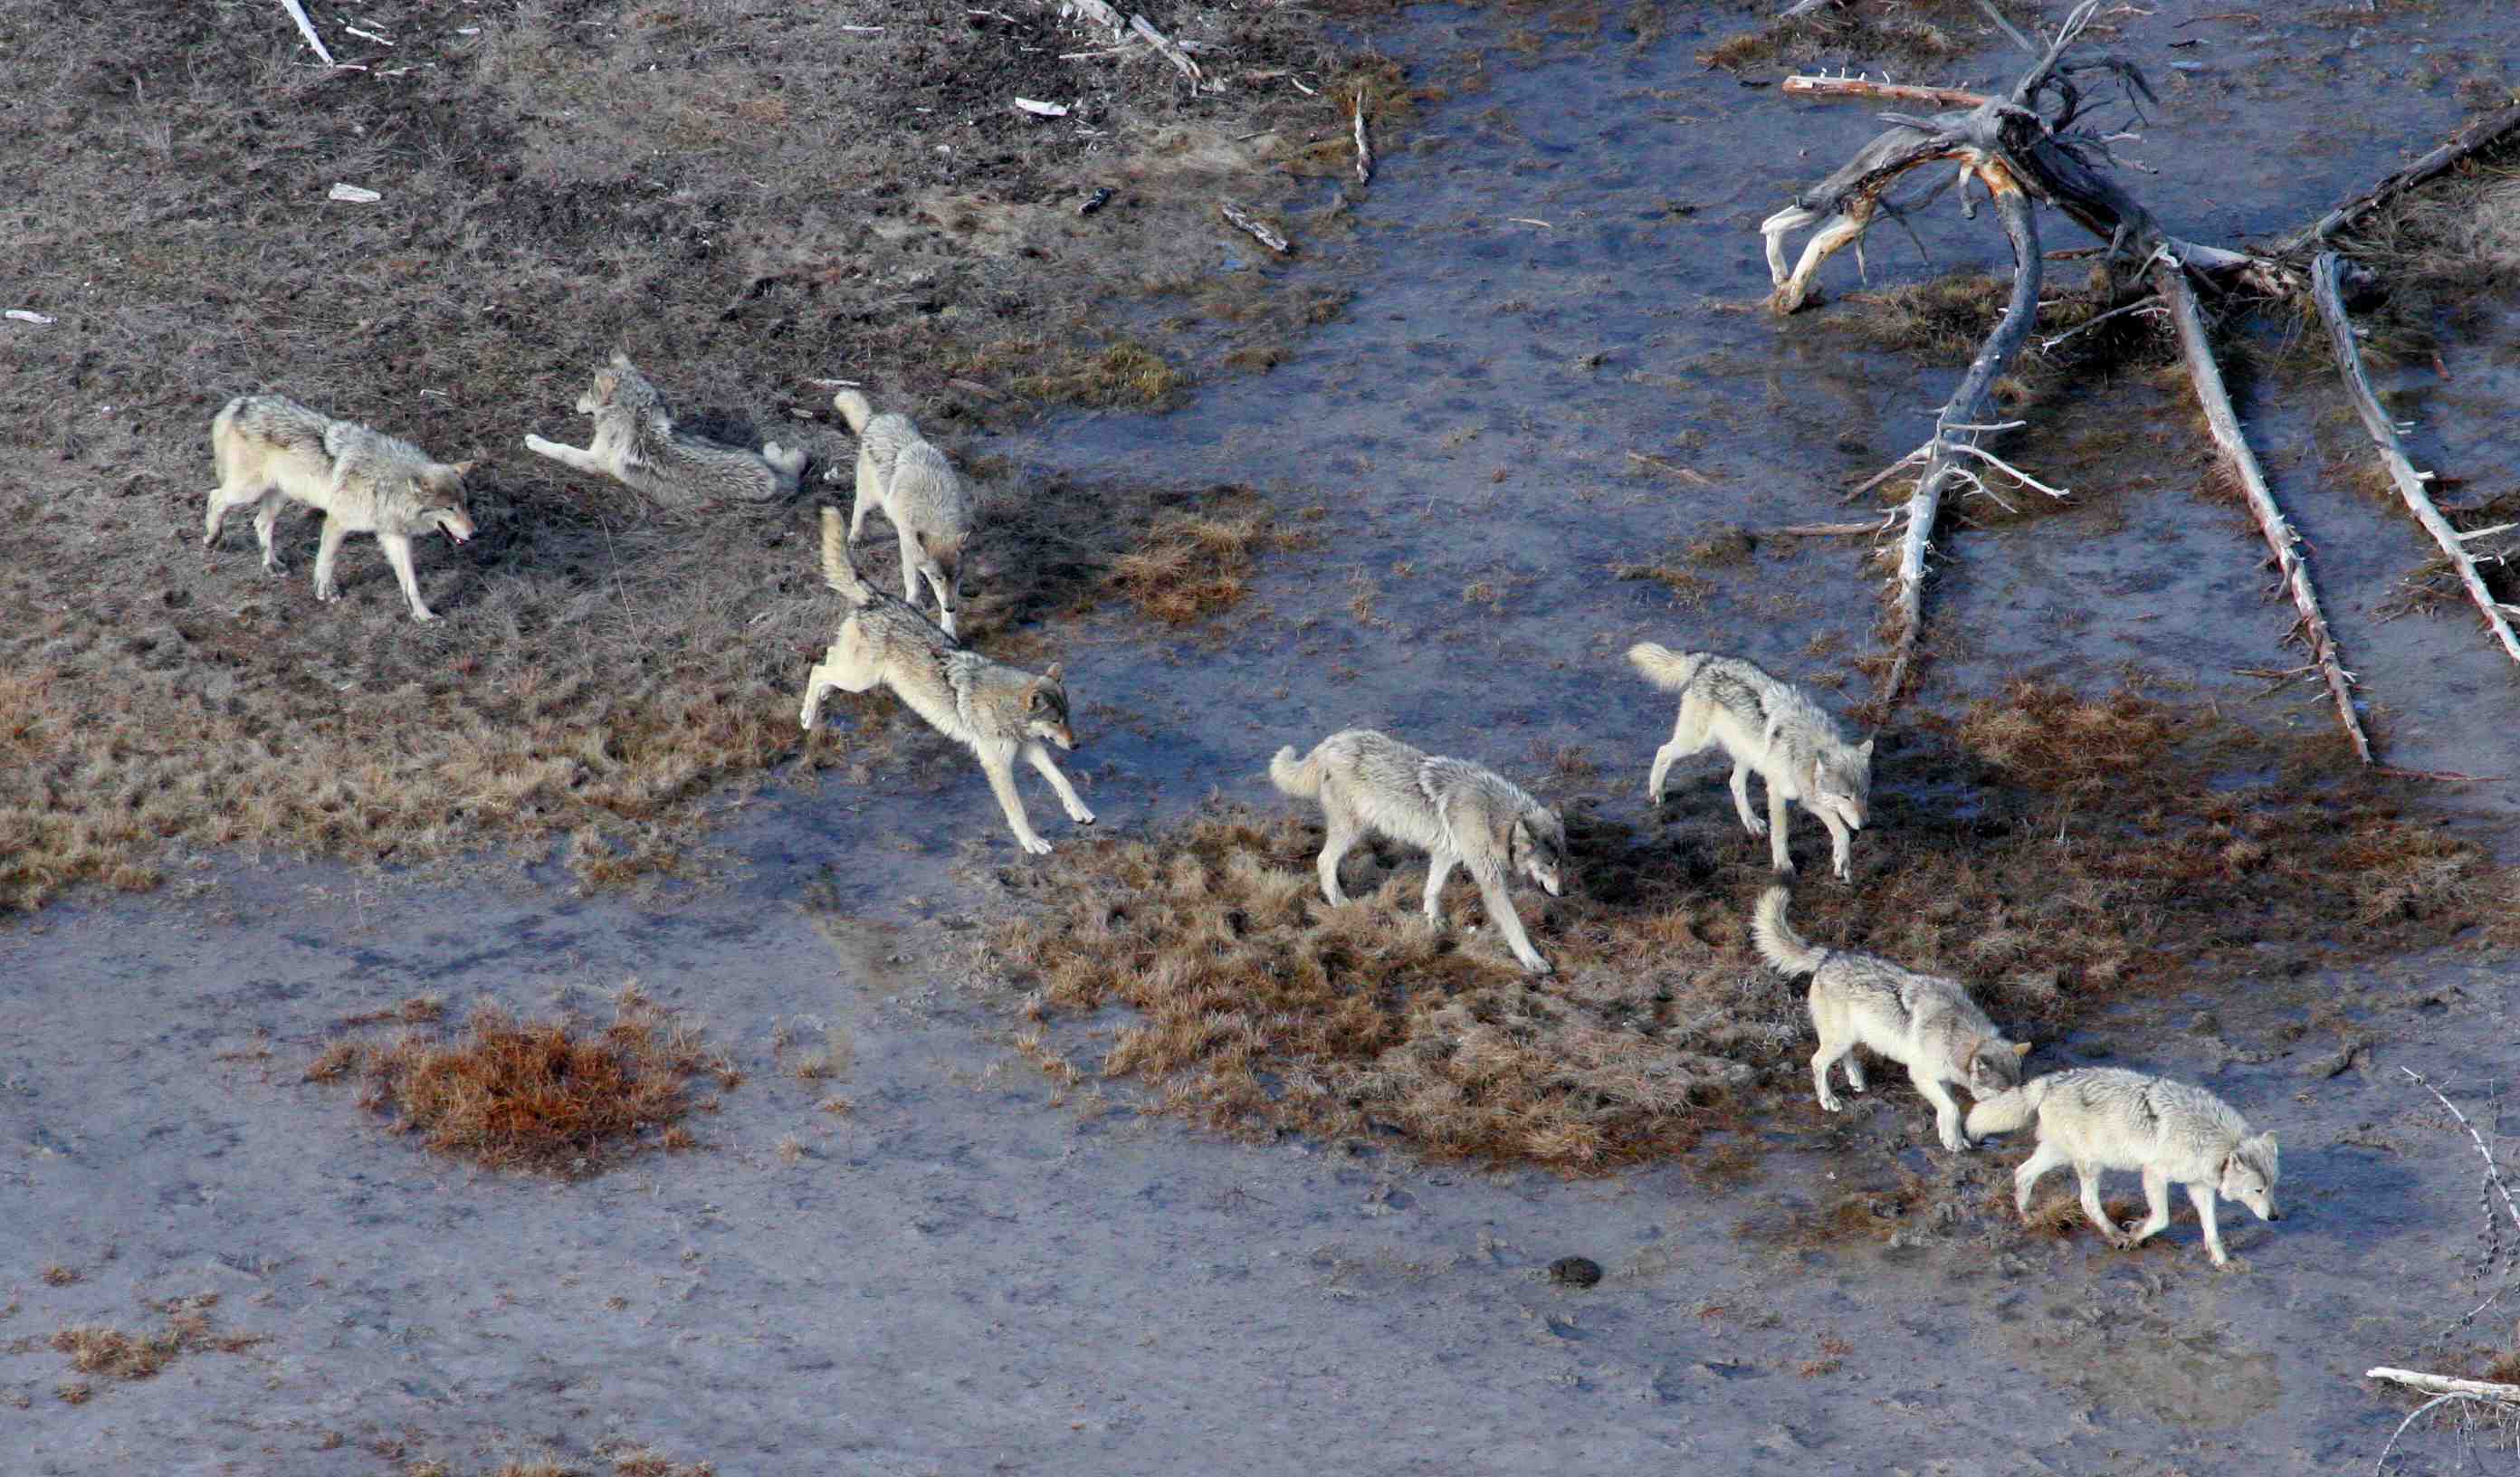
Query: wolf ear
(607, 381)
(1863, 751)
(2266, 1143)
(620, 360)
(1053, 673)
(2020, 1048)
(464, 469)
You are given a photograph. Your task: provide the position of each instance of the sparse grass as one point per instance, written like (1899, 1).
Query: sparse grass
(112, 1353)
(549, 1095)
(1688, 589)
(2113, 846)
(1944, 319)
(59, 1275)
(1191, 565)
(1912, 32)
(627, 1461)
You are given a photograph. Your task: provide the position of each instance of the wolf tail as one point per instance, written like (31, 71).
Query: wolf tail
(1779, 944)
(854, 409)
(1300, 778)
(223, 434)
(1664, 667)
(788, 461)
(2008, 1109)
(837, 571)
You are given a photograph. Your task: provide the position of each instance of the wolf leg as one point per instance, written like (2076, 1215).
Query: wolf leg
(2202, 1197)
(266, 518)
(1841, 854)
(910, 558)
(1001, 770)
(1777, 856)
(1946, 1110)
(328, 550)
(2156, 1203)
(398, 554)
(569, 456)
(1830, 1049)
(1499, 896)
(1439, 871)
(1334, 847)
(1041, 761)
(2046, 1157)
(948, 592)
(869, 496)
(1750, 820)
(2089, 1176)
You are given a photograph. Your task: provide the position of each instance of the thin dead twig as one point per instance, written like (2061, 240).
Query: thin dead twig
(306, 28)
(1364, 149)
(2476, 135)
(1259, 230)
(2393, 453)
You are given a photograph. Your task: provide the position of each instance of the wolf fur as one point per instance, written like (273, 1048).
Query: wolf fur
(637, 445)
(997, 711)
(270, 450)
(1768, 725)
(1463, 814)
(2103, 1118)
(901, 472)
(1923, 1023)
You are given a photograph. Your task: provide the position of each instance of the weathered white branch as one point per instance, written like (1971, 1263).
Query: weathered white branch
(1258, 229)
(1364, 149)
(2393, 453)
(2171, 281)
(2474, 137)
(2443, 1384)
(306, 28)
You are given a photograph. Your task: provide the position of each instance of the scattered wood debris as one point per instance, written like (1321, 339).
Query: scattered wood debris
(1260, 231)
(306, 28)
(354, 193)
(1041, 110)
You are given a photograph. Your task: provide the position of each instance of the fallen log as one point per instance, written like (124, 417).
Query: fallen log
(2443, 1384)
(2472, 137)
(2393, 452)
(2169, 280)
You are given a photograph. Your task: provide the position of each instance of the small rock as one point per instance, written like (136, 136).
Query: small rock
(1575, 1272)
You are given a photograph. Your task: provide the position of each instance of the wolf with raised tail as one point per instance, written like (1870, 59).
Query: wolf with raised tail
(1923, 1023)
(2104, 1118)
(270, 450)
(1463, 814)
(900, 471)
(1770, 726)
(997, 711)
(637, 445)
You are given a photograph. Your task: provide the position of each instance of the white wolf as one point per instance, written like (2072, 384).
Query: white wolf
(900, 471)
(1768, 725)
(269, 448)
(2103, 1118)
(637, 445)
(1925, 1023)
(1463, 814)
(997, 711)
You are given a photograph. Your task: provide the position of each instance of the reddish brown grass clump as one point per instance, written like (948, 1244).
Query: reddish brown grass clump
(115, 1355)
(547, 1096)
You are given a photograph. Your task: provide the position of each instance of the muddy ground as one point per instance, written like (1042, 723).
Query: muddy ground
(972, 1268)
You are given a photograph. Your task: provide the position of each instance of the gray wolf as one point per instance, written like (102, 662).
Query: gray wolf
(637, 445)
(1768, 725)
(269, 449)
(2102, 1118)
(910, 480)
(1463, 814)
(997, 711)
(1925, 1023)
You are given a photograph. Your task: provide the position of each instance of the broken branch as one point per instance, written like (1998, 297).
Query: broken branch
(1364, 149)
(306, 28)
(1170, 48)
(2171, 281)
(2443, 1384)
(1839, 89)
(2478, 134)
(1259, 228)
(2393, 452)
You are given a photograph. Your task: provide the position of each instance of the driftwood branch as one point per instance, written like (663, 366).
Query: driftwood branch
(2443, 1384)
(1171, 50)
(2476, 136)
(306, 28)
(1259, 230)
(2171, 281)
(1962, 415)
(2393, 453)
(1836, 88)
(1364, 149)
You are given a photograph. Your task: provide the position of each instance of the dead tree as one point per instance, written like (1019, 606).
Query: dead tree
(2021, 147)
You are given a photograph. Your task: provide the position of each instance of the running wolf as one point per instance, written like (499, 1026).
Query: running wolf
(999, 712)
(910, 480)
(1768, 725)
(269, 449)
(1926, 1024)
(2102, 1118)
(637, 445)
(1463, 814)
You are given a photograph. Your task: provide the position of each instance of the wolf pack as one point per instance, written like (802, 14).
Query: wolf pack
(269, 450)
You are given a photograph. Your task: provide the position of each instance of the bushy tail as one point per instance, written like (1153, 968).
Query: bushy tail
(1664, 667)
(1779, 944)
(789, 461)
(1300, 778)
(854, 409)
(2008, 1109)
(837, 571)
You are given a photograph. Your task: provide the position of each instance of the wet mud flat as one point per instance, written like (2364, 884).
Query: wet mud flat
(980, 1266)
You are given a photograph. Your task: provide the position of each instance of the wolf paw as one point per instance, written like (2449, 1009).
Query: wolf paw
(1831, 1104)
(2119, 1237)
(1754, 825)
(1081, 816)
(1539, 966)
(425, 616)
(1035, 844)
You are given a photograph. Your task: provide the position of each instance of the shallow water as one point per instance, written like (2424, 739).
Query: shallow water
(958, 1277)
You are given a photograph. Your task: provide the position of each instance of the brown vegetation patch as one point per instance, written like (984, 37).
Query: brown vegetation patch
(2105, 847)
(1915, 32)
(635, 1461)
(2443, 251)
(1189, 565)
(112, 1354)
(1945, 320)
(547, 1096)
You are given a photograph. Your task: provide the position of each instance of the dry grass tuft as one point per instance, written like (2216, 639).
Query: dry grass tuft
(545, 1096)
(627, 1461)
(2442, 252)
(1191, 565)
(1915, 32)
(112, 1354)
(59, 1275)
(2110, 846)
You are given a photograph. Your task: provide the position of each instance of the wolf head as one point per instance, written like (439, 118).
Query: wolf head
(1842, 782)
(1994, 1065)
(2249, 1176)
(438, 492)
(1045, 711)
(1537, 847)
(619, 385)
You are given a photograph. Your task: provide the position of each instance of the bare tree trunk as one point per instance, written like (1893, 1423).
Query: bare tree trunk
(2476, 136)
(2172, 282)
(2393, 454)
